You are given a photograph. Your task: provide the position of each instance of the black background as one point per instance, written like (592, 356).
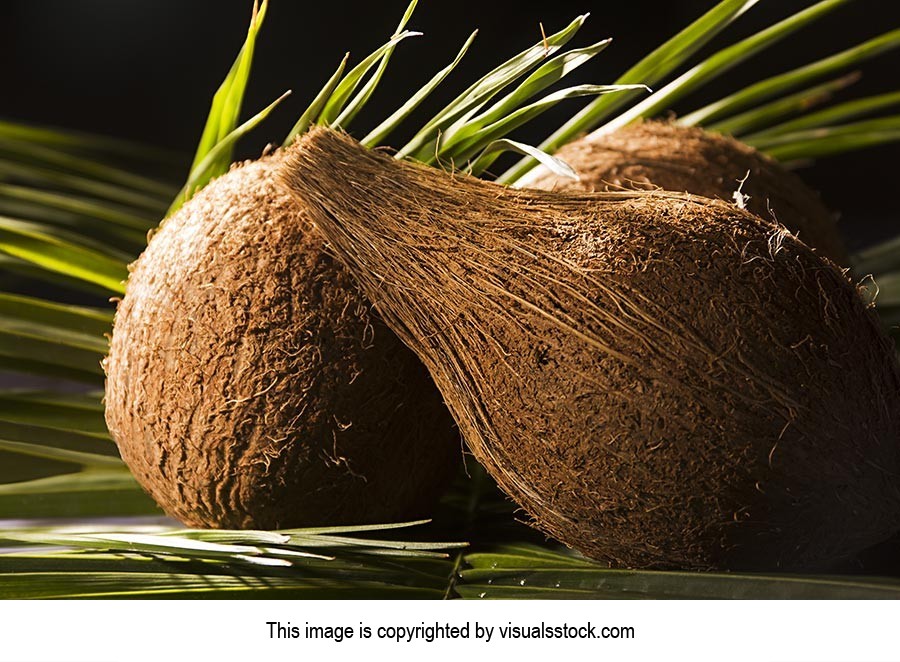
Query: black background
(146, 69)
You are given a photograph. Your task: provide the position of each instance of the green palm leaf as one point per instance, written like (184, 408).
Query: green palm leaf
(227, 103)
(531, 572)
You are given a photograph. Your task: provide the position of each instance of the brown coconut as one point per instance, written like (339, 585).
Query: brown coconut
(659, 380)
(663, 155)
(249, 384)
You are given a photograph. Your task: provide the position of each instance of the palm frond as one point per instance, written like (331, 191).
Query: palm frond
(650, 70)
(146, 559)
(532, 572)
(226, 106)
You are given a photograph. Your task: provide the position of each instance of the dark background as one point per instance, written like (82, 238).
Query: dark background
(146, 69)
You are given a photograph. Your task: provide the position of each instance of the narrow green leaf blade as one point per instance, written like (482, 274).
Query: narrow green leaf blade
(721, 62)
(776, 85)
(351, 110)
(469, 140)
(76, 141)
(51, 346)
(827, 141)
(16, 364)
(82, 414)
(546, 75)
(208, 168)
(21, 270)
(503, 575)
(42, 441)
(227, 101)
(82, 206)
(880, 259)
(485, 88)
(650, 70)
(311, 115)
(43, 177)
(771, 113)
(85, 494)
(556, 165)
(11, 148)
(93, 321)
(832, 116)
(339, 98)
(35, 245)
(380, 133)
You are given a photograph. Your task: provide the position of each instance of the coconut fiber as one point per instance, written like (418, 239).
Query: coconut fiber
(659, 380)
(249, 384)
(666, 156)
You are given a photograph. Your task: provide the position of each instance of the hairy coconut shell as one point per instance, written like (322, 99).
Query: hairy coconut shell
(662, 155)
(249, 384)
(660, 380)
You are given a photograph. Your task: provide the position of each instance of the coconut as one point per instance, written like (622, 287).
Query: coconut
(664, 155)
(659, 380)
(250, 385)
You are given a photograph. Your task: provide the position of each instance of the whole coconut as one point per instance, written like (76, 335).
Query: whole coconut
(663, 155)
(659, 380)
(249, 384)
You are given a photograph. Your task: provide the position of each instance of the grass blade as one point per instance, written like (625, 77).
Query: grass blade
(33, 244)
(469, 140)
(311, 115)
(832, 116)
(227, 101)
(770, 113)
(382, 131)
(339, 98)
(362, 97)
(81, 319)
(528, 572)
(650, 70)
(720, 63)
(208, 167)
(485, 88)
(546, 75)
(766, 89)
(827, 141)
(553, 164)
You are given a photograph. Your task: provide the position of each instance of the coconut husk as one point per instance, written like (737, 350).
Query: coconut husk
(658, 380)
(249, 383)
(662, 155)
